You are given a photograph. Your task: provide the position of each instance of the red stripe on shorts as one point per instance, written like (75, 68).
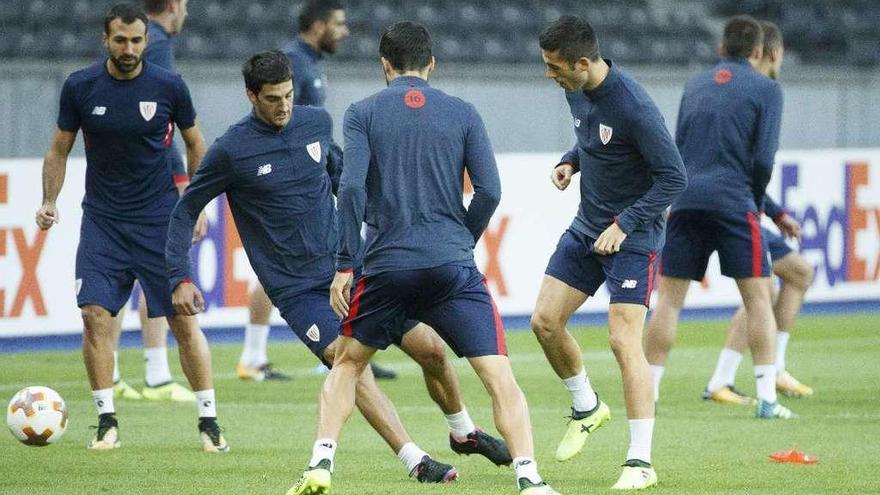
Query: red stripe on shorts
(757, 254)
(499, 327)
(169, 134)
(355, 306)
(651, 258)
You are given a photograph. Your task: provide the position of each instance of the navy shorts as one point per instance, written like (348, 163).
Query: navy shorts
(112, 254)
(776, 244)
(312, 320)
(693, 235)
(630, 275)
(452, 299)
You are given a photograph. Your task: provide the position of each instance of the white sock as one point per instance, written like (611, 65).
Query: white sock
(460, 425)
(725, 370)
(583, 397)
(526, 467)
(781, 344)
(411, 455)
(255, 339)
(206, 403)
(657, 375)
(156, 370)
(765, 378)
(104, 400)
(641, 431)
(324, 448)
(116, 376)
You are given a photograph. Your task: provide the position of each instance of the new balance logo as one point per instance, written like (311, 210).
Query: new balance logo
(264, 169)
(327, 445)
(629, 284)
(99, 110)
(206, 403)
(577, 122)
(585, 429)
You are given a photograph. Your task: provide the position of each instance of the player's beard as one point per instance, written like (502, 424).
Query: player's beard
(130, 63)
(327, 44)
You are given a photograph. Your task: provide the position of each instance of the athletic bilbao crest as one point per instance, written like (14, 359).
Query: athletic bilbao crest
(314, 150)
(605, 133)
(313, 333)
(148, 109)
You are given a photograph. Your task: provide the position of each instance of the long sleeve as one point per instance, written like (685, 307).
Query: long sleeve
(483, 171)
(772, 209)
(766, 144)
(667, 170)
(571, 156)
(352, 197)
(212, 178)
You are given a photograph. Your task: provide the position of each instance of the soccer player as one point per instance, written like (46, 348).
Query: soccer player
(322, 27)
(406, 151)
(127, 109)
(272, 165)
(728, 134)
(166, 18)
(793, 270)
(630, 173)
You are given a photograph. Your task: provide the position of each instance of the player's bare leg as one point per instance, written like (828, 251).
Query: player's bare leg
(98, 358)
(761, 329)
(195, 360)
(797, 276)
(663, 326)
(349, 383)
(557, 301)
(157, 372)
(625, 324)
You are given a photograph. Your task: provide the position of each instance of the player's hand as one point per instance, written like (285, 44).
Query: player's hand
(201, 228)
(340, 293)
(187, 299)
(609, 241)
(561, 176)
(789, 226)
(47, 216)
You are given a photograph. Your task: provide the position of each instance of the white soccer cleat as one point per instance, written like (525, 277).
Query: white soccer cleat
(636, 475)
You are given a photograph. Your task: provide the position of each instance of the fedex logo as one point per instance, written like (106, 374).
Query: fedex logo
(21, 251)
(844, 237)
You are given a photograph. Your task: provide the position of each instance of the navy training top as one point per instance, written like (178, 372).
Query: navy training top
(630, 169)
(281, 200)
(127, 128)
(407, 148)
(160, 51)
(728, 135)
(309, 80)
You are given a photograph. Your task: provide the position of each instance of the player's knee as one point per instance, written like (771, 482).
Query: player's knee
(93, 316)
(545, 325)
(432, 359)
(803, 276)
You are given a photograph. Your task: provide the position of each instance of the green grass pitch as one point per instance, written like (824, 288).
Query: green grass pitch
(698, 448)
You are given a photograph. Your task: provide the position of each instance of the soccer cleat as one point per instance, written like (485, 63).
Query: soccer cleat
(314, 481)
(122, 390)
(728, 395)
(171, 391)
(636, 475)
(382, 373)
(526, 487)
(480, 442)
(773, 410)
(107, 436)
(431, 471)
(789, 386)
(212, 436)
(260, 373)
(580, 426)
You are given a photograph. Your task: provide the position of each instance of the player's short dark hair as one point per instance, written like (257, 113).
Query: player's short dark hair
(156, 6)
(742, 34)
(271, 67)
(313, 11)
(406, 45)
(573, 37)
(128, 13)
(772, 37)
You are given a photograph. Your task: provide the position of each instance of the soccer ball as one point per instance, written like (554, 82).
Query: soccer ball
(37, 416)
